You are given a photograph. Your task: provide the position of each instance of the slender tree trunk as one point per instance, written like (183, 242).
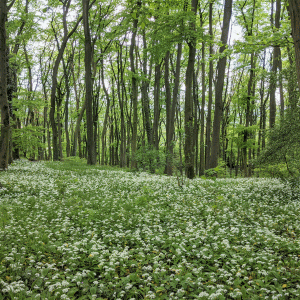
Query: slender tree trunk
(145, 97)
(188, 110)
(91, 151)
(210, 90)
(67, 86)
(170, 129)
(134, 93)
(294, 10)
(196, 118)
(250, 95)
(77, 137)
(202, 114)
(77, 129)
(169, 154)
(156, 104)
(120, 91)
(30, 115)
(59, 130)
(53, 123)
(275, 64)
(4, 105)
(219, 86)
(281, 90)
(103, 135)
(54, 78)
(146, 103)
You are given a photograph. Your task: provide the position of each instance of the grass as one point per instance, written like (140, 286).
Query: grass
(71, 231)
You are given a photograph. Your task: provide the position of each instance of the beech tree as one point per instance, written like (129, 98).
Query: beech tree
(91, 150)
(4, 106)
(294, 9)
(219, 86)
(188, 108)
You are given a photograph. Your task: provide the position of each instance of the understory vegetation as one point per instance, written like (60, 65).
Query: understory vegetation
(73, 231)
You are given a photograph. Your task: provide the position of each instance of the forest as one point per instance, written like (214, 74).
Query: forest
(101, 100)
(191, 87)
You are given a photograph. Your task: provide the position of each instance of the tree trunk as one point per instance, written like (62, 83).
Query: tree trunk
(91, 151)
(4, 105)
(54, 78)
(77, 129)
(202, 114)
(210, 90)
(59, 130)
(275, 65)
(188, 110)
(103, 135)
(145, 96)
(77, 137)
(120, 91)
(219, 86)
(294, 10)
(67, 87)
(145, 102)
(134, 93)
(249, 97)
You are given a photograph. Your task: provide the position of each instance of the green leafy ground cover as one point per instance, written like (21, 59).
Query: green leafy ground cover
(69, 231)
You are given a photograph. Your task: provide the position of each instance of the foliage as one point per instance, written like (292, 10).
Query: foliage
(28, 140)
(217, 172)
(103, 234)
(162, 27)
(284, 145)
(150, 159)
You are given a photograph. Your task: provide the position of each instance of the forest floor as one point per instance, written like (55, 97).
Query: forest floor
(71, 231)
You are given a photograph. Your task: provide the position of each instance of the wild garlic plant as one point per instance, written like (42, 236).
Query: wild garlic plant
(89, 233)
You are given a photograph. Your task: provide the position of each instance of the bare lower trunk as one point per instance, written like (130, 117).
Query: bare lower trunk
(134, 94)
(219, 87)
(188, 110)
(294, 10)
(4, 106)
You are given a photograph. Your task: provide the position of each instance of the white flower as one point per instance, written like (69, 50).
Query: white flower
(64, 283)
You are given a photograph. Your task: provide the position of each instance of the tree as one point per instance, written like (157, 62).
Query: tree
(4, 106)
(66, 36)
(210, 89)
(134, 86)
(91, 150)
(188, 108)
(294, 10)
(275, 66)
(171, 108)
(219, 86)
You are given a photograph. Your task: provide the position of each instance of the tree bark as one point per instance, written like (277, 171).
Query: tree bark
(4, 105)
(145, 96)
(294, 10)
(210, 90)
(67, 69)
(134, 92)
(119, 79)
(202, 113)
(249, 97)
(188, 110)
(219, 86)
(275, 65)
(103, 135)
(91, 151)
(54, 78)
